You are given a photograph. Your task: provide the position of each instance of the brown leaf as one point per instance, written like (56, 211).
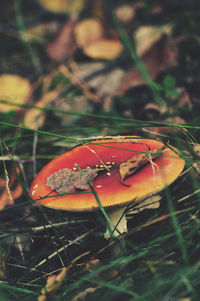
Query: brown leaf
(63, 46)
(196, 165)
(155, 59)
(65, 180)
(129, 167)
(184, 98)
(11, 190)
(146, 36)
(53, 283)
(105, 84)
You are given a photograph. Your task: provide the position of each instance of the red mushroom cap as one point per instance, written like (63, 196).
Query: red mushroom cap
(152, 177)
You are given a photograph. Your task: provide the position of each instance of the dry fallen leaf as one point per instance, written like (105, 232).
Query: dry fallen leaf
(104, 49)
(89, 35)
(65, 180)
(63, 46)
(87, 32)
(146, 36)
(105, 85)
(125, 13)
(31, 116)
(15, 89)
(129, 167)
(60, 6)
(184, 98)
(10, 189)
(53, 283)
(196, 165)
(162, 53)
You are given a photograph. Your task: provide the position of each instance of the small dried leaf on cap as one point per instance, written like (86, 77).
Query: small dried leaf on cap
(65, 180)
(129, 167)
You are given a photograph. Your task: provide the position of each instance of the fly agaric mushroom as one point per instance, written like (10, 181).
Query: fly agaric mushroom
(122, 170)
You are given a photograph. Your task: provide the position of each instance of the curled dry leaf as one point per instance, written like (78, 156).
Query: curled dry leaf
(104, 49)
(146, 36)
(184, 98)
(162, 53)
(10, 189)
(87, 32)
(33, 118)
(64, 45)
(129, 167)
(53, 283)
(13, 88)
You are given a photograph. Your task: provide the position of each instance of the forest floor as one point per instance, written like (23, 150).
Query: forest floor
(72, 70)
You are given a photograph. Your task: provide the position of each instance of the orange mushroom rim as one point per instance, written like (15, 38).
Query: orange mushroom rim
(110, 161)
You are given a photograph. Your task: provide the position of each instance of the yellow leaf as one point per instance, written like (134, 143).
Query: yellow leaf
(32, 115)
(146, 36)
(60, 6)
(13, 88)
(87, 32)
(103, 49)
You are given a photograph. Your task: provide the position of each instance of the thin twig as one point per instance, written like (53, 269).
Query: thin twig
(63, 248)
